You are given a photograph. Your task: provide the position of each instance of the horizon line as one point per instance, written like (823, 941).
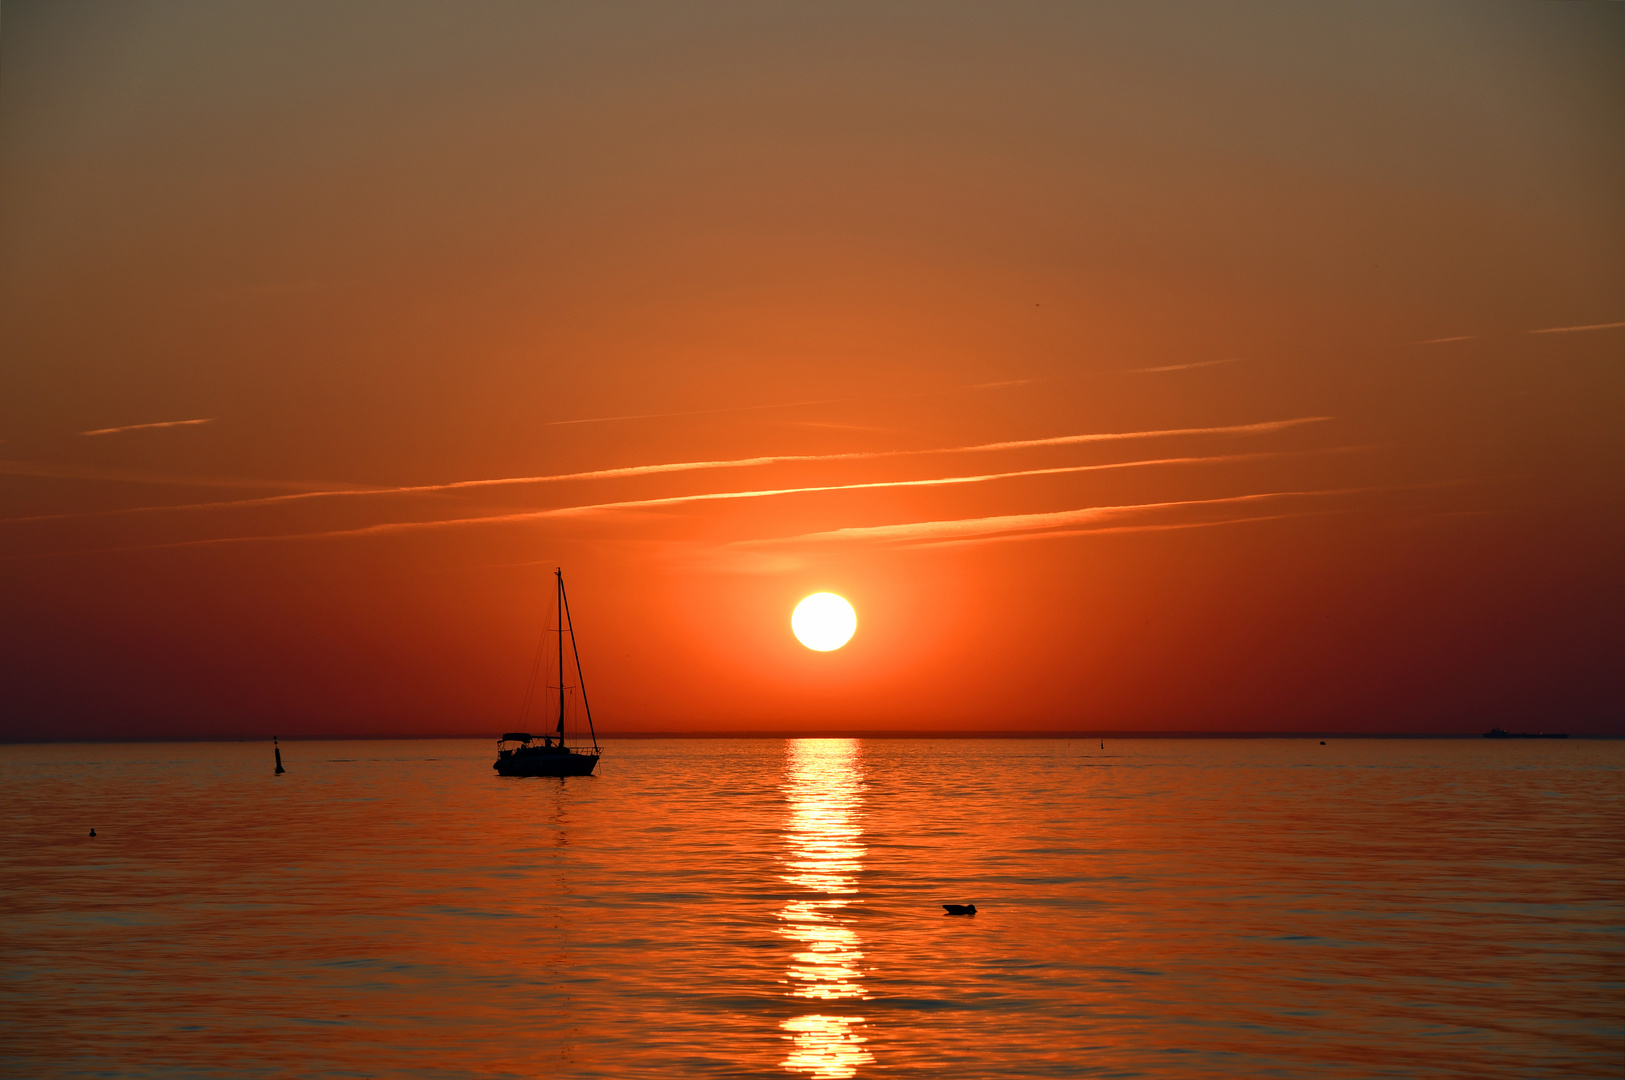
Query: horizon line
(815, 733)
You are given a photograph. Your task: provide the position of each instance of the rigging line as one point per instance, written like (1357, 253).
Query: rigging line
(530, 687)
(581, 680)
(559, 573)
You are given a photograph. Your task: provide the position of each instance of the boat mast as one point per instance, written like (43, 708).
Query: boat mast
(558, 572)
(580, 679)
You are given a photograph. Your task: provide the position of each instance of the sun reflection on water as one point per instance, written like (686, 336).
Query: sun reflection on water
(823, 783)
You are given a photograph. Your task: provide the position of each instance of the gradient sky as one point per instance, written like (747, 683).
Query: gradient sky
(1128, 367)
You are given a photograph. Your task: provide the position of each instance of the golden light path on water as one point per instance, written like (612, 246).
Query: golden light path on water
(823, 840)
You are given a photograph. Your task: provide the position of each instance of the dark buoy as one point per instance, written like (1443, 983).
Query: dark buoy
(1323, 742)
(279, 769)
(92, 832)
(959, 909)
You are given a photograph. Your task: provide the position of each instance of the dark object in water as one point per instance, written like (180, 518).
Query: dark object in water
(279, 769)
(960, 909)
(549, 755)
(537, 755)
(1497, 733)
(92, 832)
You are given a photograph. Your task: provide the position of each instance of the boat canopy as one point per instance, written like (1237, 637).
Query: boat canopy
(518, 736)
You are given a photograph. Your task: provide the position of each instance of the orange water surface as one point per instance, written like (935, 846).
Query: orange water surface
(1158, 908)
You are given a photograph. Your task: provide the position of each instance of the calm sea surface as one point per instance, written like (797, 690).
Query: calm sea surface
(771, 908)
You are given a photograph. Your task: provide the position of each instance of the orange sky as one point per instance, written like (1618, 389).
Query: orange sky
(1132, 368)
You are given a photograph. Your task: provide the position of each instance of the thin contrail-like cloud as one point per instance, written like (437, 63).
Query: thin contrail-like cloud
(1107, 530)
(764, 493)
(136, 476)
(734, 463)
(678, 500)
(1576, 329)
(145, 427)
(1181, 367)
(1069, 440)
(963, 528)
(1018, 526)
(1544, 330)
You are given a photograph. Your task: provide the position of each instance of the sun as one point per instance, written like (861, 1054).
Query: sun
(824, 622)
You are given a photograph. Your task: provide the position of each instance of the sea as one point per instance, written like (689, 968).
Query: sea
(773, 908)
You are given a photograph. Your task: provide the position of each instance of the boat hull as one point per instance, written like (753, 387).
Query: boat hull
(546, 764)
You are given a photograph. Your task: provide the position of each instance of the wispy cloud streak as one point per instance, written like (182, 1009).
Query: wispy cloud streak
(1577, 329)
(733, 463)
(1024, 524)
(1182, 367)
(1543, 330)
(1097, 518)
(764, 493)
(148, 427)
(583, 509)
(1071, 440)
(136, 476)
(941, 481)
(959, 528)
(1108, 530)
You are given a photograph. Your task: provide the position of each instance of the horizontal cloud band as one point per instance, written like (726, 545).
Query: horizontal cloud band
(675, 500)
(734, 463)
(1015, 526)
(148, 427)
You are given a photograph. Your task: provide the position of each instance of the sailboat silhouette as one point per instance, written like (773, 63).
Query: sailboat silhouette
(519, 753)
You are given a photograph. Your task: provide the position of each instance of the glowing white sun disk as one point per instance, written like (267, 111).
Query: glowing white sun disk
(824, 622)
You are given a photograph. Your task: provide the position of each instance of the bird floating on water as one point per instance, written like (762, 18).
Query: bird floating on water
(960, 909)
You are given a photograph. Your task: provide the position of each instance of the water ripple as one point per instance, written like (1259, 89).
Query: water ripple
(766, 908)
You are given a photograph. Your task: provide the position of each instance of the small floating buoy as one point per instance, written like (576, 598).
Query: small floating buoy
(279, 769)
(92, 832)
(1323, 742)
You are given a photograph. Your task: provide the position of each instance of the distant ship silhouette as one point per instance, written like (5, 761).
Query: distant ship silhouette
(1497, 733)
